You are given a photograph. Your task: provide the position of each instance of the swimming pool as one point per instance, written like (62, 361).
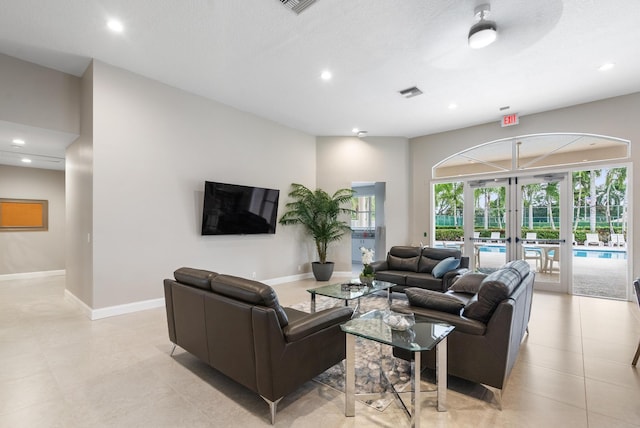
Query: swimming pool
(601, 254)
(595, 253)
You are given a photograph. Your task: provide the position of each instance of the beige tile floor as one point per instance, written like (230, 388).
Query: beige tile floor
(58, 369)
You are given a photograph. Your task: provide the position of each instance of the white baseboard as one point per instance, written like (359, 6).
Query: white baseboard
(308, 275)
(290, 278)
(112, 311)
(29, 275)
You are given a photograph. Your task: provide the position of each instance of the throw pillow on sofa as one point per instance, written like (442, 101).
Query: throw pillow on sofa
(468, 283)
(445, 265)
(434, 300)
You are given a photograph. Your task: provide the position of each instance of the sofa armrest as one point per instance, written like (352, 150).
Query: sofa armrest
(312, 323)
(462, 324)
(379, 265)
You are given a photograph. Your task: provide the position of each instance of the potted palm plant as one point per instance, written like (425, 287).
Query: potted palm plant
(318, 212)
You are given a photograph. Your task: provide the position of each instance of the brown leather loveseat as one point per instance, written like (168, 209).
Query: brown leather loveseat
(238, 327)
(422, 267)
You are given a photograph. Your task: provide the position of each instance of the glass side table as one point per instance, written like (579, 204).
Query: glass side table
(425, 335)
(350, 291)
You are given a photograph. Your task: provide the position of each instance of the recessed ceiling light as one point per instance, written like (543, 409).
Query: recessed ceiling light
(115, 26)
(453, 106)
(355, 130)
(18, 142)
(26, 160)
(606, 66)
(326, 75)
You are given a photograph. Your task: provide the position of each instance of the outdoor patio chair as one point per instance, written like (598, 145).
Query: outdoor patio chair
(532, 253)
(495, 237)
(532, 238)
(617, 239)
(636, 285)
(592, 238)
(552, 256)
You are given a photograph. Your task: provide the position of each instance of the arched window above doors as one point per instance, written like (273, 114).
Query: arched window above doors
(529, 152)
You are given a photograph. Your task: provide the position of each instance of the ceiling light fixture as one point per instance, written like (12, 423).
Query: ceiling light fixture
(483, 32)
(18, 142)
(361, 134)
(26, 160)
(606, 66)
(115, 26)
(326, 75)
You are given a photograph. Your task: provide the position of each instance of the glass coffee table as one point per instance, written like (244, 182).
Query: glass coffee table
(350, 291)
(425, 335)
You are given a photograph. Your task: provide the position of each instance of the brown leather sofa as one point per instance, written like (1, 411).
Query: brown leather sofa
(408, 266)
(238, 327)
(491, 314)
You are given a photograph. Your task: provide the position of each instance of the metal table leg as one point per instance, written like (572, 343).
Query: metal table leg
(441, 374)
(416, 400)
(350, 377)
(313, 302)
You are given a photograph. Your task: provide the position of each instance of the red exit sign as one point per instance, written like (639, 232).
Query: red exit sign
(510, 120)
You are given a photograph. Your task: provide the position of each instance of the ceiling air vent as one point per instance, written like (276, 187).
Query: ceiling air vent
(410, 92)
(297, 5)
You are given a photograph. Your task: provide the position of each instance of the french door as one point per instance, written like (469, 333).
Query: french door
(520, 218)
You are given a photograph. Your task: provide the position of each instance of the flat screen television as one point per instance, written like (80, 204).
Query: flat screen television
(231, 209)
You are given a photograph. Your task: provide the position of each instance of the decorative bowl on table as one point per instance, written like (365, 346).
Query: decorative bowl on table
(398, 321)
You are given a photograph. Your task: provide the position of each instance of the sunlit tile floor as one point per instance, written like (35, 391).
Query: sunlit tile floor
(59, 369)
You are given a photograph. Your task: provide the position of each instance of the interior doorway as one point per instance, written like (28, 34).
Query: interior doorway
(367, 222)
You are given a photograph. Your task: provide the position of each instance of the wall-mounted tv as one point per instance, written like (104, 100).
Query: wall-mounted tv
(231, 209)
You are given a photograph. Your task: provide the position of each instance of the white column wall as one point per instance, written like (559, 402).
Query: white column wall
(343, 160)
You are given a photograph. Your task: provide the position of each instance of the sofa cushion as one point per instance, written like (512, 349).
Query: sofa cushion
(468, 283)
(198, 278)
(402, 263)
(520, 266)
(494, 289)
(430, 257)
(253, 292)
(444, 266)
(392, 276)
(441, 253)
(426, 264)
(423, 280)
(404, 252)
(434, 300)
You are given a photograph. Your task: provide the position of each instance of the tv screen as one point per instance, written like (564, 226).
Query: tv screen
(231, 209)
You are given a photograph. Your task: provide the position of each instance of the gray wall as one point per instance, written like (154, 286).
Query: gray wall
(35, 251)
(153, 148)
(38, 96)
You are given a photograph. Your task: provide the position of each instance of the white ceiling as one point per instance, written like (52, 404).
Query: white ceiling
(262, 58)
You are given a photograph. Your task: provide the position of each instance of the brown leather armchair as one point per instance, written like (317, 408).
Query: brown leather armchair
(238, 327)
